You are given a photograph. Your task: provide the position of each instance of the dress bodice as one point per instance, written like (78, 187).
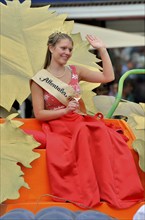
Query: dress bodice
(51, 102)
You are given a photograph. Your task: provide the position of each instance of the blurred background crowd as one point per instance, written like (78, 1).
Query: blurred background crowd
(125, 59)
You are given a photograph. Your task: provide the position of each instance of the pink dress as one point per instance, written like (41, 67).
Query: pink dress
(88, 161)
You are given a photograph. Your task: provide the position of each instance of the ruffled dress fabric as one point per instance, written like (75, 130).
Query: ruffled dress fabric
(89, 161)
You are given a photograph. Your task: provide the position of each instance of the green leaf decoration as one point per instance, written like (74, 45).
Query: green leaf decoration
(15, 147)
(24, 34)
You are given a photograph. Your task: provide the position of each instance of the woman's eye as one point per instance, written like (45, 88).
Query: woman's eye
(65, 48)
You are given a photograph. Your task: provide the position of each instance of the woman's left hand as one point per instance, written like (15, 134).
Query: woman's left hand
(95, 42)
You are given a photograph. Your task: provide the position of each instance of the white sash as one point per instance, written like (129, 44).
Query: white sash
(60, 90)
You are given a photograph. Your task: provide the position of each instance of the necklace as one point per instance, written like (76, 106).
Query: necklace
(59, 76)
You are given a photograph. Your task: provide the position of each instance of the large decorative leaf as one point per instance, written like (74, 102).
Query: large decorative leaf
(134, 111)
(86, 89)
(24, 34)
(80, 54)
(16, 147)
(104, 103)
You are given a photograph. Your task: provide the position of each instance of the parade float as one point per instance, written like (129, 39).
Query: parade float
(24, 175)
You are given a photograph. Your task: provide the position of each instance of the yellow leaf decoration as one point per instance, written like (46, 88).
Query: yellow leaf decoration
(81, 56)
(15, 147)
(139, 146)
(140, 120)
(4, 113)
(104, 103)
(88, 95)
(24, 34)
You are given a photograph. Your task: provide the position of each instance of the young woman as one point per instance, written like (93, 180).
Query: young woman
(88, 161)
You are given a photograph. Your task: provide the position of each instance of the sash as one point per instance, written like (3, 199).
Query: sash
(60, 90)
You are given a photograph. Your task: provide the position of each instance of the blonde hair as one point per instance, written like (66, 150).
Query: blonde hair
(53, 40)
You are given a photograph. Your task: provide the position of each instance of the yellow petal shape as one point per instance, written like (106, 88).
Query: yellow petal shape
(142, 105)
(139, 146)
(140, 121)
(88, 95)
(15, 147)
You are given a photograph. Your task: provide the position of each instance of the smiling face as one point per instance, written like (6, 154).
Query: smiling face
(62, 51)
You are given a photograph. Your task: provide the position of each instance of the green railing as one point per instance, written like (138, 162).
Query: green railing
(120, 88)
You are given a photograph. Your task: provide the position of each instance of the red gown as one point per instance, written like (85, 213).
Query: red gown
(88, 161)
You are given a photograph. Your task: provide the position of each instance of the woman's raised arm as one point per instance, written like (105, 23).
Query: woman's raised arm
(107, 74)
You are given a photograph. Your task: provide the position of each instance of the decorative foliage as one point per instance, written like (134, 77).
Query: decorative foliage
(16, 147)
(4, 113)
(24, 34)
(86, 88)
